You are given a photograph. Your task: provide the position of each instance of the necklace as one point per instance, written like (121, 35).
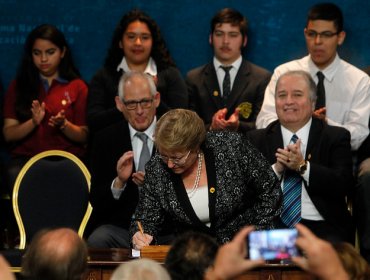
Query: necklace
(194, 189)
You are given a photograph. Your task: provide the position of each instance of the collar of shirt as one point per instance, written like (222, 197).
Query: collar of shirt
(137, 144)
(151, 67)
(302, 134)
(328, 72)
(221, 73)
(46, 85)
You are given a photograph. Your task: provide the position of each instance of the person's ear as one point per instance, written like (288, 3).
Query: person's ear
(119, 104)
(210, 40)
(120, 45)
(245, 40)
(157, 99)
(63, 52)
(341, 37)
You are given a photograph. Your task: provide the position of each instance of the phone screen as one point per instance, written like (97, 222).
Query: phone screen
(275, 244)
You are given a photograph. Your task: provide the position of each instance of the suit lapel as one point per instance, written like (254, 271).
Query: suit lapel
(211, 84)
(212, 186)
(274, 140)
(313, 136)
(183, 199)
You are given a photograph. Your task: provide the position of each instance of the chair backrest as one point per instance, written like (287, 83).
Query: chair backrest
(51, 191)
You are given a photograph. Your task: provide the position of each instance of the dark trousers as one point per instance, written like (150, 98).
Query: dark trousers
(361, 207)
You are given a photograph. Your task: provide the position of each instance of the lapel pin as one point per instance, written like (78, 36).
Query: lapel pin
(215, 93)
(212, 190)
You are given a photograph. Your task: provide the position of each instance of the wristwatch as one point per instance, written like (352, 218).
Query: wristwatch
(302, 167)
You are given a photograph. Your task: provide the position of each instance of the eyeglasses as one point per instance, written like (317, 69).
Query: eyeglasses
(145, 103)
(180, 161)
(134, 36)
(312, 34)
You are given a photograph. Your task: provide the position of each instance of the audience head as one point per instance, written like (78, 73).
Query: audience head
(178, 136)
(324, 33)
(295, 97)
(140, 269)
(138, 99)
(190, 256)
(137, 30)
(354, 264)
(231, 259)
(228, 35)
(58, 254)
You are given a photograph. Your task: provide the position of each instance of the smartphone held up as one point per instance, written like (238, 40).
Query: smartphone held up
(275, 244)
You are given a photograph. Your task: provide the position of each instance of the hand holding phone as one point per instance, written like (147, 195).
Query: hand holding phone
(275, 244)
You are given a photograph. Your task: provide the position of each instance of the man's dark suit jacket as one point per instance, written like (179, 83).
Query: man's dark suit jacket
(330, 179)
(108, 146)
(364, 150)
(248, 92)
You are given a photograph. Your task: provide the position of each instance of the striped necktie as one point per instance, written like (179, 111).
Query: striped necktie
(292, 189)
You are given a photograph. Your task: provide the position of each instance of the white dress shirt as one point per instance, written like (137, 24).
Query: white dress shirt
(221, 73)
(347, 91)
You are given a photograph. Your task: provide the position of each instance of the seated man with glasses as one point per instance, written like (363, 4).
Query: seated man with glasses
(214, 183)
(119, 154)
(343, 90)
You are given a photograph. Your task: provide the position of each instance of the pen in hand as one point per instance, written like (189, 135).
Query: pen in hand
(140, 227)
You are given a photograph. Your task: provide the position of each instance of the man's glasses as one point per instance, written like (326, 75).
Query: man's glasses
(312, 34)
(180, 161)
(145, 103)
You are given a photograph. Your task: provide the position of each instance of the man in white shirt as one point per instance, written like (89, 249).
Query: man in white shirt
(115, 161)
(227, 93)
(347, 91)
(319, 159)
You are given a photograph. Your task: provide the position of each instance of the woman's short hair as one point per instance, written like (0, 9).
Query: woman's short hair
(179, 130)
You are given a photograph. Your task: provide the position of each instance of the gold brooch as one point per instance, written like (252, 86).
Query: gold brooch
(245, 109)
(212, 190)
(215, 93)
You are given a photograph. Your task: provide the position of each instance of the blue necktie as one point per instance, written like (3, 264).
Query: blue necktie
(292, 189)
